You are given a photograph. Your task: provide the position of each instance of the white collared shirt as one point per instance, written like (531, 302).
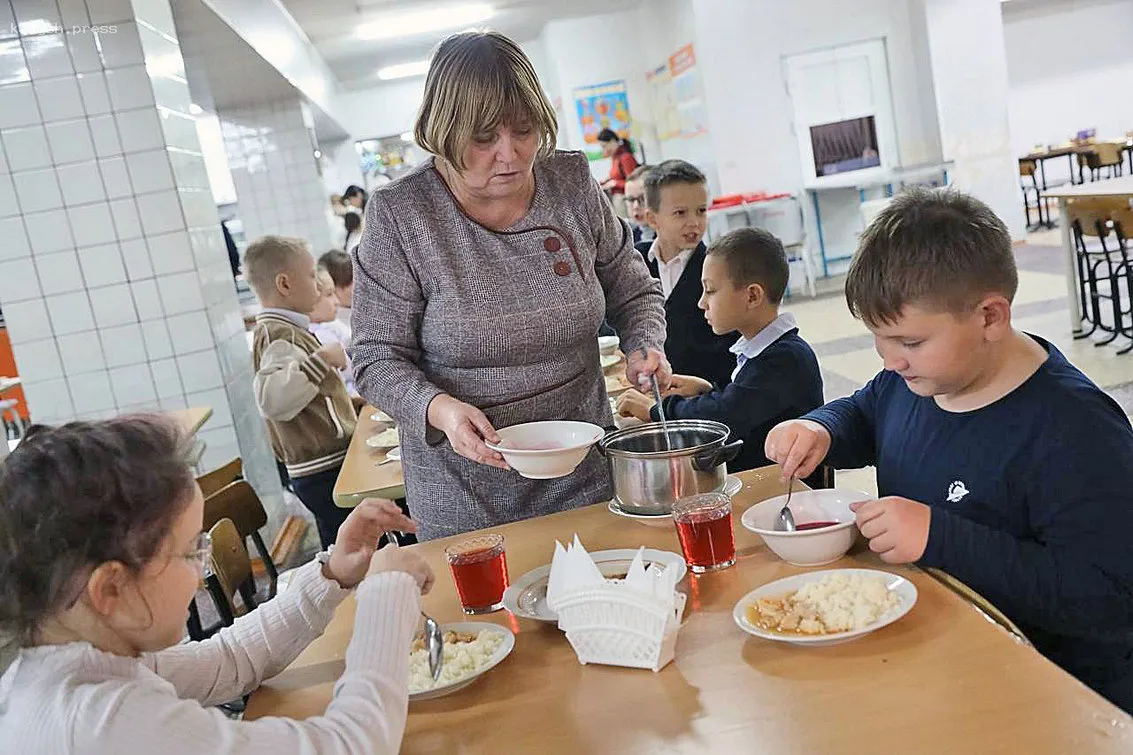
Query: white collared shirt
(298, 318)
(750, 348)
(671, 271)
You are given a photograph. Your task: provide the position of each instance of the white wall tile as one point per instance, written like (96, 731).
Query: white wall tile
(156, 337)
(180, 293)
(92, 224)
(37, 190)
(157, 14)
(94, 94)
(18, 106)
(107, 12)
(173, 403)
(123, 48)
(52, 231)
(70, 313)
(115, 177)
(18, 281)
(199, 371)
(161, 212)
(167, 379)
(48, 400)
(36, 16)
(172, 93)
(59, 98)
(27, 321)
(84, 52)
(102, 265)
(147, 299)
(8, 204)
(81, 183)
(132, 384)
(170, 253)
(8, 21)
(140, 130)
(59, 273)
(126, 220)
(38, 360)
(150, 171)
(104, 132)
(81, 352)
(130, 88)
(180, 130)
(74, 13)
(112, 305)
(91, 391)
(47, 56)
(190, 332)
(15, 239)
(26, 148)
(135, 254)
(70, 141)
(123, 345)
(13, 66)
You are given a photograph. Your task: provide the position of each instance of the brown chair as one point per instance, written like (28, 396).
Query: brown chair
(1102, 155)
(1122, 219)
(231, 572)
(1028, 182)
(218, 478)
(1099, 263)
(238, 501)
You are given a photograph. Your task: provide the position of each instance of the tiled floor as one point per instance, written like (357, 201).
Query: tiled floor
(847, 357)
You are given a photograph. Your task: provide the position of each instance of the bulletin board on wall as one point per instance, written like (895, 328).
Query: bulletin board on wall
(602, 106)
(677, 95)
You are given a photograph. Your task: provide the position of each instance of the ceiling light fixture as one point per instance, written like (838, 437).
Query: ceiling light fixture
(404, 70)
(421, 22)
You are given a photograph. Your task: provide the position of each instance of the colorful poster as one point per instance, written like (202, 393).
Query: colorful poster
(688, 92)
(602, 106)
(664, 102)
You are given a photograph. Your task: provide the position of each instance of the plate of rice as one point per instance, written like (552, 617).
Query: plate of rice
(471, 649)
(825, 607)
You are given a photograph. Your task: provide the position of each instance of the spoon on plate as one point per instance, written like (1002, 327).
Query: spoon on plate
(434, 640)
(785, 522)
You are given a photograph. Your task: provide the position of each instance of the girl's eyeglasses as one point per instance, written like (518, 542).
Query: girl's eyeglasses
(201, 555)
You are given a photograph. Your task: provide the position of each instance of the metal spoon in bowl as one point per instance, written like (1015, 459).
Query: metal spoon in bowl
(785, 522)
(434, 640)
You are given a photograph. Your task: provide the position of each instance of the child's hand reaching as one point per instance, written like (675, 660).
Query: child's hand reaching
(333, 354)
(634, 403)
(688, 386)
(358, 539)
(897, 528)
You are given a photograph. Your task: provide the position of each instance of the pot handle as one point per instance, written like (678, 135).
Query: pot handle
(709, 460)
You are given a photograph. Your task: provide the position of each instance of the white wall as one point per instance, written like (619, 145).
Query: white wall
(1070, 67)
(741, 46)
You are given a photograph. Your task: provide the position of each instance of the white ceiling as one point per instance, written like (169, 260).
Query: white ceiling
(330, 25)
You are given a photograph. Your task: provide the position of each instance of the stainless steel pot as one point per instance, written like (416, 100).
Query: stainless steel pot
(650, 475)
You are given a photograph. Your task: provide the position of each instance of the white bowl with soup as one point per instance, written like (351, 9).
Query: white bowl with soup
(825, 526)
(545, 450)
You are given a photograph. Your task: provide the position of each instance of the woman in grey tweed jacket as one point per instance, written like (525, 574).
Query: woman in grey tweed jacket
(479, 286)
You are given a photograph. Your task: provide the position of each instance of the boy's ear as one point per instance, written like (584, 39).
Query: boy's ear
(755, 294)
(650, 217)
(995, 311)
(282, 284)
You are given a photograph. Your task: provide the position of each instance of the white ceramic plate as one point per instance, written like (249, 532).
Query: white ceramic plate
(649, 520)
(497, 657)
(609, 360)
(381, 417)
(527, 596)
(384, 439)
(394, 454)
(906, 591)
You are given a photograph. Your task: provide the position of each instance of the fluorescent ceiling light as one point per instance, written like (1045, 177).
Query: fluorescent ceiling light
(404, 70)
(421, 22)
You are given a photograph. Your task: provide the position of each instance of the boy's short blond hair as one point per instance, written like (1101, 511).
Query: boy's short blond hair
(267, 257)
(324, 280)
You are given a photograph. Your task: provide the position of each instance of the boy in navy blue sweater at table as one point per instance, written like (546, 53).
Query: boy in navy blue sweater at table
(776, 375)
(997, 460)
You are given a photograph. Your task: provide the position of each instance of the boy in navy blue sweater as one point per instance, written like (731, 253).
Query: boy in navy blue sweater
(997, 460)
(776, 375)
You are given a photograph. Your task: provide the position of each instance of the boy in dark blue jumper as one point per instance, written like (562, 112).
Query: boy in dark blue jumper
(776, 375)
(997, 460)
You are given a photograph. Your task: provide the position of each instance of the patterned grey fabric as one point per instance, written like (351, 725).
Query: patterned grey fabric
(505, 321)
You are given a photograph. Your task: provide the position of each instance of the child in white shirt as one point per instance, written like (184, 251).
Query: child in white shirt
(329, 329)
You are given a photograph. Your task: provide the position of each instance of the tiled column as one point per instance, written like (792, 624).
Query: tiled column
(279, 188)
(114, 276)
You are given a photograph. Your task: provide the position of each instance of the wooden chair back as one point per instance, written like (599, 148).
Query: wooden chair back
(231, 571)
(213, 481)
(238, 501)
(1026, 168)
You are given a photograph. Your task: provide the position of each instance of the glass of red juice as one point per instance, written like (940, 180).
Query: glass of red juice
(704, 527)
(479, 569)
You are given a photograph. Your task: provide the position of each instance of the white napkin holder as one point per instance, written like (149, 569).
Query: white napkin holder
(631, 622)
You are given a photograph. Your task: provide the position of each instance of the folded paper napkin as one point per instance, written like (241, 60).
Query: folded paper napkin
(572, 570)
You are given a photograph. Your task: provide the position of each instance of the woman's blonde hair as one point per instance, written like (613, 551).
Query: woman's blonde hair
(478, 81)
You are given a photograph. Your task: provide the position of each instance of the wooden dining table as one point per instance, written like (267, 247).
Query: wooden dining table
(365, 472)
(945, 678)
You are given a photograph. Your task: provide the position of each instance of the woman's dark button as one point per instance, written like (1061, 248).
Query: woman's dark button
(552, 244)
(562, 269)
